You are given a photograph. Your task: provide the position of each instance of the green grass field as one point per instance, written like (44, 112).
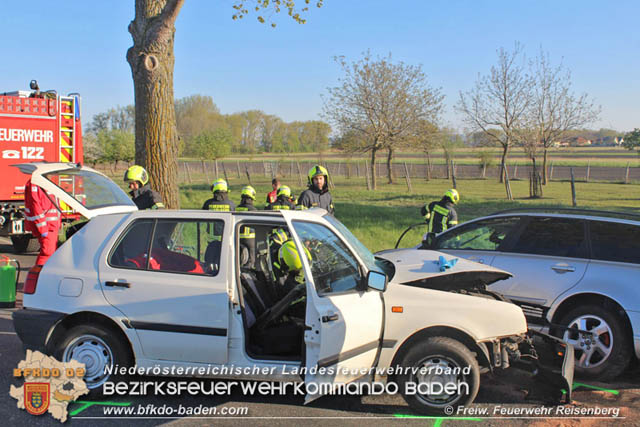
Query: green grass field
(378, 218)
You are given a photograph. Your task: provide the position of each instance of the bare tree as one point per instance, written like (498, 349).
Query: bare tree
(555, 109)
(382, 102)
(499, 100)
(152, 60)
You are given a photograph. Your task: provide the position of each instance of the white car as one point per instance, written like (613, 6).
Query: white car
(186, 288)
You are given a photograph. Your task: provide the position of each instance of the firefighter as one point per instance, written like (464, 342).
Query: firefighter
(141, 193)
(247, 234)
(441, 215)
(220, 200)
(247, 197)
(292, 277)
(317, 195)
(283, 201)
(272, 195)
(42, 220)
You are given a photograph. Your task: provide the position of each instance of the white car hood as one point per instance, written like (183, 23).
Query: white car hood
(425, 269)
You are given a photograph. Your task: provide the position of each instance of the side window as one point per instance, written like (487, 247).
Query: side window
(132, 248)
(485, 235)
(333, 266)
(187, 246)
(612, 241)
(562, 237)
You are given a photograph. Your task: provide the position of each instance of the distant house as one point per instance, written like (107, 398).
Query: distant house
(579, 141)
(618, 141)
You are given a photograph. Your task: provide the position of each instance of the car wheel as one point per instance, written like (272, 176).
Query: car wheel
(433, 363)
(24, 243)
(607, 352)
(97, 349)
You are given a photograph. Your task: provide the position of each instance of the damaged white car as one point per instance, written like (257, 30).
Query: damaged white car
(202, 289)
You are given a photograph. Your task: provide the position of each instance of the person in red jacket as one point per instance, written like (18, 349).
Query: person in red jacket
(42, 220)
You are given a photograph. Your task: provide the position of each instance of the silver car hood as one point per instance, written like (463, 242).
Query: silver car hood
(437, 270)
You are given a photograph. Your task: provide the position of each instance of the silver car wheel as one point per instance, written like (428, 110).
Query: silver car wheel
(96, 356)
(437, 370)
(593, 349)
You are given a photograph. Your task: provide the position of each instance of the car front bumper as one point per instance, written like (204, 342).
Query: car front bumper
(33, 326)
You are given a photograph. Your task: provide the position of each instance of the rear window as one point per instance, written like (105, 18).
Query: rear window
(562, 237)
(612, 241)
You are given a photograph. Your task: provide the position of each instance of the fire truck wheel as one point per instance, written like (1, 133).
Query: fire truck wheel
(23, 244)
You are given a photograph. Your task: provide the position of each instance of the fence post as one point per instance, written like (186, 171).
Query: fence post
(300, 175)
(588, 170)
(246, 169)
(453, 174)
(573, 189)
(551, 172)
(507, 184)
(215, 166)
(224, 170)
(205, 171)
(626, 175)
(238, 168)
(407, 177)
(515, 171)
(186, 166)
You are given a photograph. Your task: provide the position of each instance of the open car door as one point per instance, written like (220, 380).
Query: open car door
(344, 320)
(84, 190)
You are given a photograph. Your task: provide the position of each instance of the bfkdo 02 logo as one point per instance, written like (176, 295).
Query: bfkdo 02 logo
(36, 397)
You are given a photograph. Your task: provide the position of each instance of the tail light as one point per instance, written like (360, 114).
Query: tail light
(32, 279)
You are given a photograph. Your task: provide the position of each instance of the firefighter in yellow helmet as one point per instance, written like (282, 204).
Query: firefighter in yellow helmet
(141, 193)
(317, 195)
(220, 200)
(247, 234)
(283, 201)
(442, 214)
(290, 277)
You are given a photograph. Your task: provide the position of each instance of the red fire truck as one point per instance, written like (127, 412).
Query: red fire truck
(34, 127)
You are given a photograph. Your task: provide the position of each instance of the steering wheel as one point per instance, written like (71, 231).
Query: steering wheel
(280, 307)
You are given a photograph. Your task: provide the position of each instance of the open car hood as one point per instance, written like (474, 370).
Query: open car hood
(80, 188)
(439, 271)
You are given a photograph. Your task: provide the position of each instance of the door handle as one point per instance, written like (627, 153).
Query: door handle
(563, 268)
(118, 284)
(329, 318)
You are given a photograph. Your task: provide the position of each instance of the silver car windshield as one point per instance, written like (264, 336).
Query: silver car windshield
(89, 188)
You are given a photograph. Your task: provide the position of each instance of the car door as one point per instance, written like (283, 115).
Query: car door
(479, 240)
(176, 299)
(80, 188)
(344, 321)
(549, 256)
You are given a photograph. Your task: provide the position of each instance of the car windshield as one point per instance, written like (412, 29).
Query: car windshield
(365, 254)
(91, 189)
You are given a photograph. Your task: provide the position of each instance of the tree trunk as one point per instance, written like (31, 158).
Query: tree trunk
(151, 60)
(544, 167)
(505, 151)
(389, 166)
(373, 169)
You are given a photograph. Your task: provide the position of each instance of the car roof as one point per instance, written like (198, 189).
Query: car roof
(585, 214)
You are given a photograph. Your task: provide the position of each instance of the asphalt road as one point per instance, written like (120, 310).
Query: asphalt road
(504, 391)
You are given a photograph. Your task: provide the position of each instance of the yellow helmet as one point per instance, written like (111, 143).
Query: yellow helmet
(248, 191)
(278, 236)
(136, 173)
(453, 195)
(317, 170)
(284, 191)
(219, 185)
(288, 254)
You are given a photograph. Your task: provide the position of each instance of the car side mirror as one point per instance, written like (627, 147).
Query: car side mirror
(377, 281)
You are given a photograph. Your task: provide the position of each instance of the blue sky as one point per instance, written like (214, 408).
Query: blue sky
(80, 46)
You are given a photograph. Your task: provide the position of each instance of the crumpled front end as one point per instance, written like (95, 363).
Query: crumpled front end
(548, 360)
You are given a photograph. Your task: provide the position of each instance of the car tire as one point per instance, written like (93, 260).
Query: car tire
(439, 352)
(97, 348)
(24, 243)
(607, 355)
